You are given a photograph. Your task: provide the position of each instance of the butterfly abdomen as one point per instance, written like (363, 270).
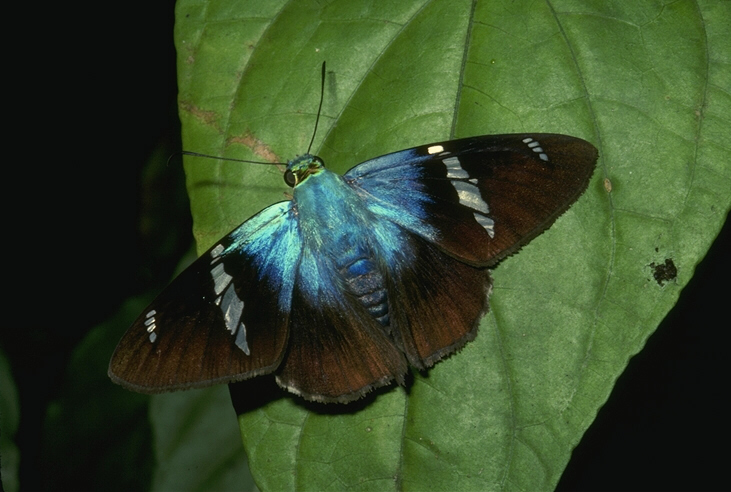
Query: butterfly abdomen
(365, 282)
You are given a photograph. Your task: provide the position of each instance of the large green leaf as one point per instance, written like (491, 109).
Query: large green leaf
(647, 82)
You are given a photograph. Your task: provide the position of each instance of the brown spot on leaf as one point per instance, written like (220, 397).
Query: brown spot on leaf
(209, 118)
(257, 147)
(664, 272)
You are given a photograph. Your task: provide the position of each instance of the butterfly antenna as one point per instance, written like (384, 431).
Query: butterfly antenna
(319, 109)
(196, 154)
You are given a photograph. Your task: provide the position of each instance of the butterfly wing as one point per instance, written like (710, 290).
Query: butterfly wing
(462, 206)
(479, 199)
(436, 305)
(337, 351)
(224, 319)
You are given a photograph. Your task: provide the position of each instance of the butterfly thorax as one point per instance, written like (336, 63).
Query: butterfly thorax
(334, 225)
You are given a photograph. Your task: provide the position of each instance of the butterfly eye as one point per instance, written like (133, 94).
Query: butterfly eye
(289, 178)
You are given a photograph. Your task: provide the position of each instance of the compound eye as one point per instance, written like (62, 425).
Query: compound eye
(289, 178)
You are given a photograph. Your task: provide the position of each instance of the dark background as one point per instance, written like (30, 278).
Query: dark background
(86, 234)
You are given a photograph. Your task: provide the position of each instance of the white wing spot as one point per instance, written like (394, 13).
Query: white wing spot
(536, 147)
(241, 340)
(216, 252)
(487, 223)
(221, 279)
(232, 307)
(151, 325)
(454, 168)
(469, 196)
(435, 149)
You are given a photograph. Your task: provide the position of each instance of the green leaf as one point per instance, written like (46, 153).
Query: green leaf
(648, 83)
(195, 442)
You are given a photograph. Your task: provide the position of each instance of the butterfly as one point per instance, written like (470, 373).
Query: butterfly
(340, 289)
(357, 277)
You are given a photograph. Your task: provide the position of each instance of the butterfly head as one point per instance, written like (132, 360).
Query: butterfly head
(299, 169)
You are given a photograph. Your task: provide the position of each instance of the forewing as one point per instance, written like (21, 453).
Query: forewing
(224, 319)
(479, 199)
